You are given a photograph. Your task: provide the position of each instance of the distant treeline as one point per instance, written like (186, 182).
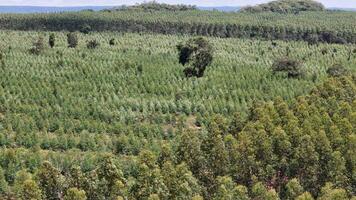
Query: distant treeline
(286, 6)
(329, 27)
(154, 6)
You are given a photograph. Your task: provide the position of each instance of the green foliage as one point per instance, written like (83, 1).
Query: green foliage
(260, 192)
(337, 70)
(305, 196)
(228, 190)
(112, 42)
(110, 177)
(329, 192)
(293, 189)
(75, 194)
(52, 40)
(312, 39)
(286, 6)
(180, 181)
(85, 29)
(50, 181)
(30, 190)
(93, 44)
(197, 197)
(337, 170)
(21, 177)
(330, 27)
(115, 132)
(149, 181)
(38, 46)
(197, 53)
(3, 183)
(155, 6)
(72, 40)
(291, 67)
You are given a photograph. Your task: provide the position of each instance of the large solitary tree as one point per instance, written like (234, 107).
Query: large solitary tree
(196, 54)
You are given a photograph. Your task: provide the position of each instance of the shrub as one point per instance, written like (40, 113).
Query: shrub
(324, 51)
(52, 40)
(339, 40)
(274, 44)
(312, 39)
(337, 70)
(330, 37)
(38, 46)
(112, 42)
(139, 69)
(93, 44)
(60, 63)
(292, 67)
(72, 40)
(85, 29)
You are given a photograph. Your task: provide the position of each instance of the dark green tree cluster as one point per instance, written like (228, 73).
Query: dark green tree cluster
(305, 147)
(93, 44)
(154, 6)
(293, 68)
(313, 27)
(112, 42)
(38, 46)
(337, 70)
(197, 54)
(52, 40)
(85, 29)
(286, 6)
(72, 40)
(106, 181)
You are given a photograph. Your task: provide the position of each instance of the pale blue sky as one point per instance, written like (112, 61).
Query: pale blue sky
(328, 3)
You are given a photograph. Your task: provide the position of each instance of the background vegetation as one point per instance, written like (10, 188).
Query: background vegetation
(286, 6)
(330, 27)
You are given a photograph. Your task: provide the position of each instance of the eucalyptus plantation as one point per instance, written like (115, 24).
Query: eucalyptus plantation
(168, 102)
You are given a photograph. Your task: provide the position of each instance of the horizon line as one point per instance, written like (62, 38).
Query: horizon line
(74, 6)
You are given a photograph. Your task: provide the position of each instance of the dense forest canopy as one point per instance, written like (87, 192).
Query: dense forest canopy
(286, 6)
(329, 27)
(313, 25)
(154, 6)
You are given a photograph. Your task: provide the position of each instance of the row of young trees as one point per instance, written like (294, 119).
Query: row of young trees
(131, 82)
(114, 101)
(300, 151)
(197, 54)
(72, 40)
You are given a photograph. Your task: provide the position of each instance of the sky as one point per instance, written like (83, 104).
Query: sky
(327, 3)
